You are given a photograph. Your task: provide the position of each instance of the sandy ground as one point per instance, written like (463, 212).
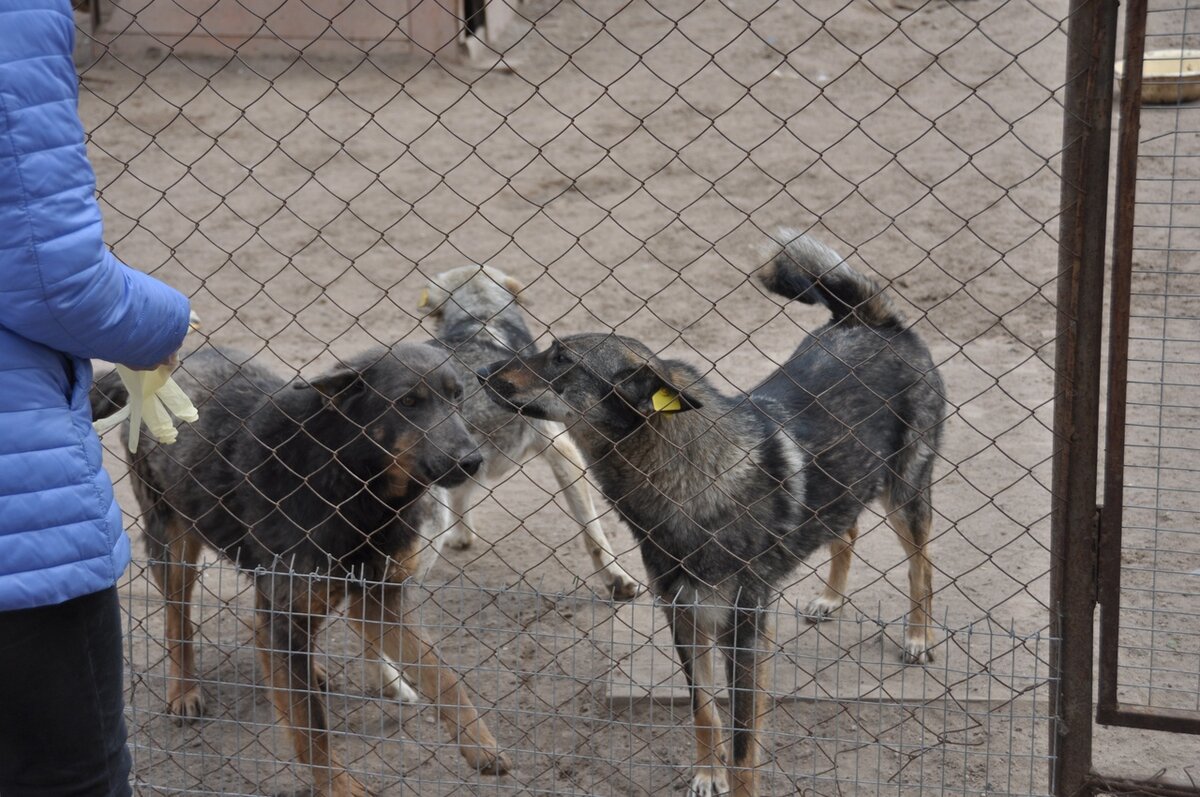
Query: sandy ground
(626, 170)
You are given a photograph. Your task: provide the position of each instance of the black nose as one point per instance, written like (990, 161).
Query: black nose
(486, 371)
(470, 463)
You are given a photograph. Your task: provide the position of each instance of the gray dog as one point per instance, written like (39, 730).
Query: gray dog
(478, 320)
(727, 495)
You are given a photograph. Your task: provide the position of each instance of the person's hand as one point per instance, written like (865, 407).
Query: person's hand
(171, 362)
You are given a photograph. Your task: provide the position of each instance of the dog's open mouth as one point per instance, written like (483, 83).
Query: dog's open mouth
(501, 393)
(505, 385)
(529, 409)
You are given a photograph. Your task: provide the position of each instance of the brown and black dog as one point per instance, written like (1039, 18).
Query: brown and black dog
(313, 488)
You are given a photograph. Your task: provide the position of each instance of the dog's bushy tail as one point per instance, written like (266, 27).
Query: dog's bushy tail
(808, 271)
(107, 395)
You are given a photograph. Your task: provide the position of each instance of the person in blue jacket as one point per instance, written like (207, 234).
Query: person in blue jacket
(64, 299)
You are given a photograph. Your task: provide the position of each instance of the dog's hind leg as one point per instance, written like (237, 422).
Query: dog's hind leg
(913, 530)
(841, 550)
(746, 666)
(567, 463)
(911, 516)
(290, 610)
(389, 623)
(908, 497)
(173, 557)
(695, 650)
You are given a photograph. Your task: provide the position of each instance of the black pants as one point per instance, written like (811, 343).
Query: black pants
(62, 730)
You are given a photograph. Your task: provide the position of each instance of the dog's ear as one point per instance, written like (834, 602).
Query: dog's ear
(514, 286)
(335, 386)
(649, 392)
(431, 299)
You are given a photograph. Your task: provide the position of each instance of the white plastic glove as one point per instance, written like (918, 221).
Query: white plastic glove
(153, 398)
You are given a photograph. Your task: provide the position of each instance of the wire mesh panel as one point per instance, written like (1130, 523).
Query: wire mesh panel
(307, 176)
(583, 710)
(1158, 642)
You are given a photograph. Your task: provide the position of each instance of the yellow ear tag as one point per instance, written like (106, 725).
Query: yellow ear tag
(666, 401)
(423, 301)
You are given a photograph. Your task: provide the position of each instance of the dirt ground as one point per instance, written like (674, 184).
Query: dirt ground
(626, 168)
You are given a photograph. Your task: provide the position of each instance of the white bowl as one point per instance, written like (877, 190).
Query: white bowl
(1168, 76)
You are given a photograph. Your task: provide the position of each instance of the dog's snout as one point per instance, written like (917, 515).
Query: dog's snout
(471, 463)
(485, 373)
(506, 377)
(453, 469)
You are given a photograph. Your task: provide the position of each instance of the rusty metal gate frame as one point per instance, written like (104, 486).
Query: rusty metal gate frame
(1085, 536)
(1109, 710)
(1087, 111)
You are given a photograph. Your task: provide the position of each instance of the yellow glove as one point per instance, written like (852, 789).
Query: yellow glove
(152, 395)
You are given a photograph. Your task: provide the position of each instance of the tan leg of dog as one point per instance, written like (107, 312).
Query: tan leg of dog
(568, 466)
(749, 679)
(918, 635)
(176, 580)
(744, 771)
(389, 624)
(841, 551)
(695, 650)
(290, 613)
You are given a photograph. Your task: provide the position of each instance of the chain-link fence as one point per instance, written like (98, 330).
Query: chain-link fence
(307, 171)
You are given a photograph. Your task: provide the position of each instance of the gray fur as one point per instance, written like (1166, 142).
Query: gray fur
(477, 320)
(726, 495)
(807, 270)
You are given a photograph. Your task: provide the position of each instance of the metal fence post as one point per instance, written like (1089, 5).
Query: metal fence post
(1091, 37)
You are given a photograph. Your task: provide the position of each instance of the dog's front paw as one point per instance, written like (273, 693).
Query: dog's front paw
(917, 651)
(186, 703)
(400, 691)
(492, 762)
(460, 538)
(622, 587)
(821, 609)
(708, 783)
(383, 676)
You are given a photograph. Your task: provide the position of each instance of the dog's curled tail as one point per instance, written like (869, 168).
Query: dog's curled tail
(808, 271)
(107, 395)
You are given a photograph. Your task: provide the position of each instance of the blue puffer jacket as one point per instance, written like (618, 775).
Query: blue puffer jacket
(63, 299)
